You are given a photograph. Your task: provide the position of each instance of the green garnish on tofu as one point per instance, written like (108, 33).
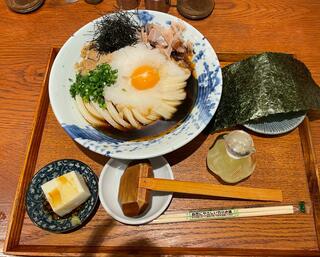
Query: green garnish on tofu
(91, 86)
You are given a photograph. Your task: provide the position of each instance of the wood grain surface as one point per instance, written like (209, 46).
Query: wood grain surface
(260, 234)
(235, 26)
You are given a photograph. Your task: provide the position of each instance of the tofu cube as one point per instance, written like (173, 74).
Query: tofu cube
(65, 193)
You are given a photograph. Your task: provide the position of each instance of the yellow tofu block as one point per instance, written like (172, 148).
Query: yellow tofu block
(65, 193)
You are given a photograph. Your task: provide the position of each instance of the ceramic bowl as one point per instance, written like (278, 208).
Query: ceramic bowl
(209, 77)
(38, 209)
(109, 189)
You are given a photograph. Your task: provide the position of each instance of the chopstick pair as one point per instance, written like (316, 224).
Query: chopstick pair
(212, 214)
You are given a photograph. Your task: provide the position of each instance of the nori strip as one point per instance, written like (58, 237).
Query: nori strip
(263, 85)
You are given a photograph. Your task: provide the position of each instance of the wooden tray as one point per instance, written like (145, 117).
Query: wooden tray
(286, 162)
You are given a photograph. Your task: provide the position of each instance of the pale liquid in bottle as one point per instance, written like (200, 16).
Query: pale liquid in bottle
(231, 157)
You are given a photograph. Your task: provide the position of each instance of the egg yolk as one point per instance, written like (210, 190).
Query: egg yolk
(144, 77)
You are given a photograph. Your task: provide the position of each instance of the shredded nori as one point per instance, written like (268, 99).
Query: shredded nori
(263, 85)
(115, 31)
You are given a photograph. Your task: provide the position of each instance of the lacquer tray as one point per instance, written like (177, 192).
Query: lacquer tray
(286, 162)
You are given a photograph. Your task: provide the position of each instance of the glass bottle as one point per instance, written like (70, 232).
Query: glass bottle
(232, 156)
(93, 1)
(128, 4)
(195, 9)
(158, 5)
(24, 6)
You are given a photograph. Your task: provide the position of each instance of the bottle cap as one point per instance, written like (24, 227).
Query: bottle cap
(239, 144)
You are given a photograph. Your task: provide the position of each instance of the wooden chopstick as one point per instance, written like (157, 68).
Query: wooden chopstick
(209, 214)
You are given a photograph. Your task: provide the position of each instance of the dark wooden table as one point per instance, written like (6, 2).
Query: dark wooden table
(235, 26)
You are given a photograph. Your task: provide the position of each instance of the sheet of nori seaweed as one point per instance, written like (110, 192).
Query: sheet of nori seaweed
(262, 85)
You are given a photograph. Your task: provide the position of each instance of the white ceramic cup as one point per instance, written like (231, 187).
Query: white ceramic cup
(109, 189)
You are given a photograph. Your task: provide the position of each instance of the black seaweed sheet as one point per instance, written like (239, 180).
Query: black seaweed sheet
(263, 85)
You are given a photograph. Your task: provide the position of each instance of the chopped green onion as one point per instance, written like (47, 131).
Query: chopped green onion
(91, 86)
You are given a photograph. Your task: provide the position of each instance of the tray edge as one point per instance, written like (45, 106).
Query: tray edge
(312, 172)
(18, 208)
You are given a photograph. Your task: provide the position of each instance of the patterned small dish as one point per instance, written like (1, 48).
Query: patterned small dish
(39, 210)
(277, 124)
(209, 77)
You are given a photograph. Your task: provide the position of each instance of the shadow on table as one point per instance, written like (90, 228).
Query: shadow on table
(97, 237)
(133, 248)
(101, 159)
(185, 151)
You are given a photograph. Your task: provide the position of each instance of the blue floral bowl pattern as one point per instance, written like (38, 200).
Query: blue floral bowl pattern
(39, 210)
(209, 77)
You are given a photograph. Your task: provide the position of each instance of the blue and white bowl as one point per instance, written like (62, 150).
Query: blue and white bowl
(209, 74)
